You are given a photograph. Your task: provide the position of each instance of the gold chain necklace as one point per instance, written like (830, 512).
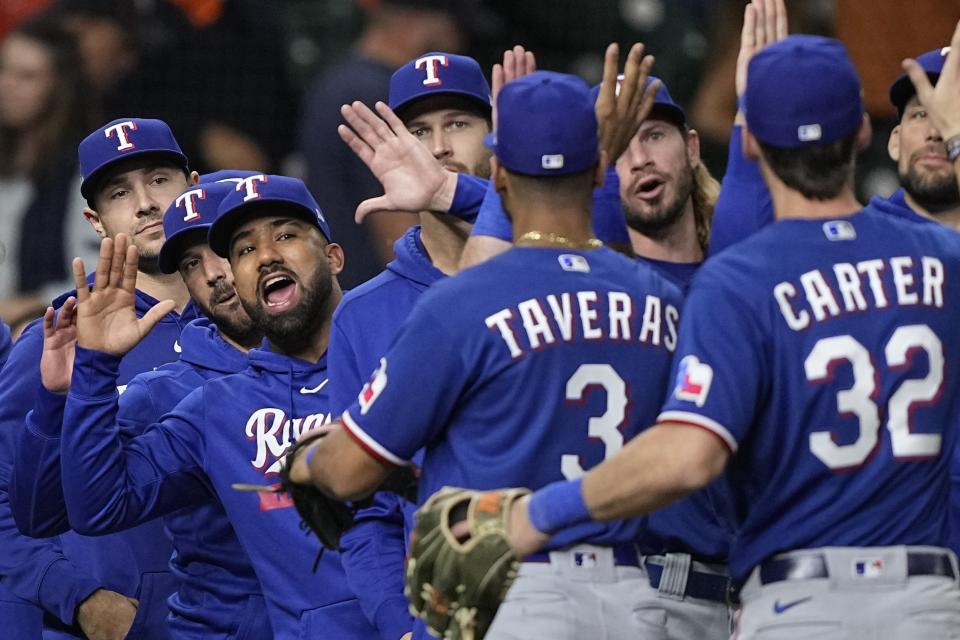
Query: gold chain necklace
(555, 238)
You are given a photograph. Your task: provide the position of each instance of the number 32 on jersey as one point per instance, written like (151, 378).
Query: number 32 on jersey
(859, 399)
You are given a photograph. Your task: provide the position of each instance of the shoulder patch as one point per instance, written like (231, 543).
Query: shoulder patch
(693, 381)
(374, 387)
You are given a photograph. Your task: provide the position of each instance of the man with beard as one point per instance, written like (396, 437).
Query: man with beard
(233, 428)
(444, 101)
(928, 181)
(132, 169)
(218, 595)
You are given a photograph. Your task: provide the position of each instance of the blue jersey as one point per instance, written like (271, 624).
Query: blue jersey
(57, 574)
(817, 353)
(217, 591)
(545, 374)
(364, 326)
(233, 429)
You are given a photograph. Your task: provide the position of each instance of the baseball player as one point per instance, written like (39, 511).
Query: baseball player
(218, 595)
(444, 101)
(825, 391)
(531, 379)
(928, 186)
(132, 169)
(232, 429)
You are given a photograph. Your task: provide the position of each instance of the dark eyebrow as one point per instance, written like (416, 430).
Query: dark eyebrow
(120, 177)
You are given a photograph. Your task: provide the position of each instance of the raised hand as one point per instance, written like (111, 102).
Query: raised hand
(412, 179)
(106, 314)
(517, 62)
(942, 101)
(764, 22)
(59, 346)
(623, 105)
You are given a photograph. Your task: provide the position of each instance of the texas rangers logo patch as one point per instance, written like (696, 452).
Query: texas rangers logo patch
(693, 381)
(374, 387)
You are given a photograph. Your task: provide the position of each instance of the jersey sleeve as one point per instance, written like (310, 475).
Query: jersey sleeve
(36, 494)
(720, 367)
(609, 222)
(468, 197)
(410, 395)
(492, 220)
(112, 483)
(744, 206)
(345, 376)
(373, 553)
(35, 570)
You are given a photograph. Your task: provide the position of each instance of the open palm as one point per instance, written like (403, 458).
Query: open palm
(59, 346)
(106, 313)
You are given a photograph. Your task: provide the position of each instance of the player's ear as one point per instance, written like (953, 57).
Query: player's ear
(693, 147)
(893, 144)
(194, 178)
(335, 257)
(94, 219)
(498, 175)
(864, 134)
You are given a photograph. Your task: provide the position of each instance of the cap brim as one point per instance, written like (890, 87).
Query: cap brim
(223, 227)
(89, 186)
(902, 90)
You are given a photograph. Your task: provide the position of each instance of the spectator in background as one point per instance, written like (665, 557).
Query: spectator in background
(214, 70)
(395, 31)
(44, 112)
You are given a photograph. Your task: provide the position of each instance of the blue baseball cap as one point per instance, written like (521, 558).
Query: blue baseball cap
(227, 175)
(270, 194)
(902, 89)
(663, 104)
(802, 91)
(193, 210)
(439, 73)
(546, 125)
(121, 139)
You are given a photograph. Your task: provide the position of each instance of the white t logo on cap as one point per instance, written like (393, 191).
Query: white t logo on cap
(250, 184)
(121, 130)
(188, 200)
(808, 132)
(432, 66)
(944, 51)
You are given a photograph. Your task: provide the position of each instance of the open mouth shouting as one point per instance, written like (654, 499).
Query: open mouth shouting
(278, 292)
(649, 188)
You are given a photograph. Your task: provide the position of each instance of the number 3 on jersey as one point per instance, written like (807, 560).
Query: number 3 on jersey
(859, 399)
(604, 427)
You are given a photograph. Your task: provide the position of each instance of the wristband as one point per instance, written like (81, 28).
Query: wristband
(953, 148)
(557, 506)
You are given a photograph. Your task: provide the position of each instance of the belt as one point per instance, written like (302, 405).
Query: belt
(623, 556)
(814, 565)
(706, 586)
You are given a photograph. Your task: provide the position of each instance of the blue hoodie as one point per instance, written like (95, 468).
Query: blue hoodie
(58, 574)
(231, 429)
(218, 593)
(364, 326)
(5, 342)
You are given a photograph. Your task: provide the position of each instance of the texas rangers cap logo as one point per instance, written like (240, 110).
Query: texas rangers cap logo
(431, 64)
(693, 380)
(374, 387)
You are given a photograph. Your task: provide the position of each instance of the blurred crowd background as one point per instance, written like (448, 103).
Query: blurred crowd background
(257, 84)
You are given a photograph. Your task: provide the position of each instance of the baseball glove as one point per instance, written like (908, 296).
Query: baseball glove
(456, 582)
(327, 517)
